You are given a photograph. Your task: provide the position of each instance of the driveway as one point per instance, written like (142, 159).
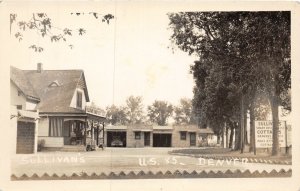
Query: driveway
(123, 159)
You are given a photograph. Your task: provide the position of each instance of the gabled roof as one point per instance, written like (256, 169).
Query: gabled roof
(55, 99)
(18, 77)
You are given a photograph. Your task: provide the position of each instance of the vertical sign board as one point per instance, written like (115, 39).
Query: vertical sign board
(263, 134)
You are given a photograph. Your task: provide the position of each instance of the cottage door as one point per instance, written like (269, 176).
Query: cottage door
(147, 138)
(192, 139)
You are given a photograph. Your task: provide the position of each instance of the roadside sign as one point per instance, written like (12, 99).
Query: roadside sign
(263, 134)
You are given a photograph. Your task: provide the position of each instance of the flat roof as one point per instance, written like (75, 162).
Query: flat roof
(206, 131)
(162, 128)
(116, 127)
(144, 130)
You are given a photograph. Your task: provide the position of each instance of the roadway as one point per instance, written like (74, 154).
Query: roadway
(124, 159)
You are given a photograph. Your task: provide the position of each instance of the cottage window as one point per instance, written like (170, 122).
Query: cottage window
(19, 107)
(137, 135)
(182, 135)
(55, 127)
(79, 99)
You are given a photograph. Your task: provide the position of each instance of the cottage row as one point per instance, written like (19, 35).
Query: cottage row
(50, 107)
(157, 136)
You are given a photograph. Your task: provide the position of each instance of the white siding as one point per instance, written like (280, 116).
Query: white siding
(13, 131)
(43, 133)
(30, 105)
(43, 127)
(36, 132)
(53, 141)
(74, 99)
(16, 99)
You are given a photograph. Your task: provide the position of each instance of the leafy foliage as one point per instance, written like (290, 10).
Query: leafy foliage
(43, 26)
(159, 112)
(241, 54)
(116, 115)
(134, 109)
(184, 112)
(36, 48)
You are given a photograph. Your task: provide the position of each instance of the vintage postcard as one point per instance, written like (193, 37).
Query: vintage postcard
(159, 95)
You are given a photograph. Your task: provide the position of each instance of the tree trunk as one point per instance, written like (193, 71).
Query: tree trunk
(252, 128)
(242, 126)
(231, 136)
(275, 119)
(246, 142)
(227, 139)
(222, 133)
(237, 138)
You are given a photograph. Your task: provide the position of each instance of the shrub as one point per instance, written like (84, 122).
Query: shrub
(41, 144)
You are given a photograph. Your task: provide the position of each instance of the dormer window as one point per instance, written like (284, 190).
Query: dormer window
(54, 84)
(79, 99)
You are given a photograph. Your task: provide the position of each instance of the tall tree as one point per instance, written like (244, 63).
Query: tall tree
(249, 51)
(116, 115)
(159, 112)
(184, 112)
(134, 109)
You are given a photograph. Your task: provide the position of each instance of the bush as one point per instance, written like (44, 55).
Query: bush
(41, 144)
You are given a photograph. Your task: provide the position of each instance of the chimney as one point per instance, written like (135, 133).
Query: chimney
(39, 67)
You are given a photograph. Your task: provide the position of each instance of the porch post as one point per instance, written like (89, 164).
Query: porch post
(97, 134)
(36, 136)
(85, 124)
(103, 133)
(92, 130)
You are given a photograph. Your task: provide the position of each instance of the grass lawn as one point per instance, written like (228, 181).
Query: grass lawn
(228, 152)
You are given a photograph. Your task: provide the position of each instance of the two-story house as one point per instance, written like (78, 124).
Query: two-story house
(63, 116)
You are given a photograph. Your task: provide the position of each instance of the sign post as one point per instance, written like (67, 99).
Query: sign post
(286, 144)
(254, 138)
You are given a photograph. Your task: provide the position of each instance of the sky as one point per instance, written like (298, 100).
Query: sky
(129, 56)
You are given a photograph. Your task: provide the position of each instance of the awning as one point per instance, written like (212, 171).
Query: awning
(163, 128)
(28, 114)
(162, 132)
(97, 118)
(143, 130)
(115, 128)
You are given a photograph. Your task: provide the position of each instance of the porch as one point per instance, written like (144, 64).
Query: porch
(64, 131)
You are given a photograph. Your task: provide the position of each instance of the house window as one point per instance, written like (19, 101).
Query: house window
(182, 135)
(137, 135)
(79, 100)
(55, 127)
(19, 93)
(19, 107)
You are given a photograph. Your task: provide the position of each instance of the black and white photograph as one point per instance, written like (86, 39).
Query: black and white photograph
(149, 91)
